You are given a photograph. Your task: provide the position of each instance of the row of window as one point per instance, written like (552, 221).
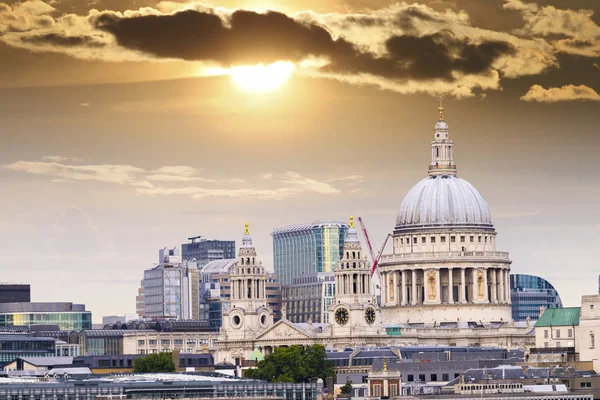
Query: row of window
(142, 342)
(557, 333)
(432, 239)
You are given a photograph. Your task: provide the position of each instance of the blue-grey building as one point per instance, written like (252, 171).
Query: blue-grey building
(15, 293)
(528, 293)
(307, 248)
(204, 251)
(13, 346)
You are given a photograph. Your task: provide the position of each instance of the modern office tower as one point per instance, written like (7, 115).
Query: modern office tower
(215, 292)
(307, 248)
(204, 251)
(15, 293)
(309, 297)
(67, 316)
(529, 293)
(139, 301)
(171, 288)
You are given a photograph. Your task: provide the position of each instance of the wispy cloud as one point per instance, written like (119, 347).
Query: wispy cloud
(180, 173)
(349, 180)
(172, 178)
(564, 93)
(54, 158)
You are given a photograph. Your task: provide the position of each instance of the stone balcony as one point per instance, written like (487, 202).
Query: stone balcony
(444, 256)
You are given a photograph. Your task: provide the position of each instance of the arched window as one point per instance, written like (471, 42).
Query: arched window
(242, 261)
(437, 151)
(353, 255)
(354, 265)
(248, 260)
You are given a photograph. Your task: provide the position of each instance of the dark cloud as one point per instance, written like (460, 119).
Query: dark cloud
(248, 37)
(57, 39)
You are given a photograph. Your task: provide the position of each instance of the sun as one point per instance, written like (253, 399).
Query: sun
(262, 78)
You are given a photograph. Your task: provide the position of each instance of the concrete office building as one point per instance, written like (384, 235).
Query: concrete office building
(15, 293)
(204, 251)
(529, 294)
(307, 248)
(67, 316)
(309, 297)
(171, 288)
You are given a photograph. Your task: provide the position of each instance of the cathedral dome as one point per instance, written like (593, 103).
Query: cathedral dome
(443, 201)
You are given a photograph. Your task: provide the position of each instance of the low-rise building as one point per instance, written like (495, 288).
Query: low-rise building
(67, 316)
(588, 331)
(556, 327)
(13, 346)
(148, 342)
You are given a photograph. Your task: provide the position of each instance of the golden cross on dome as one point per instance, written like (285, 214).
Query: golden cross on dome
(247, 229)
(351, 221)
(441, 107)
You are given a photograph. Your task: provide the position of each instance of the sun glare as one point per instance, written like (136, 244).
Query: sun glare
(262, 78)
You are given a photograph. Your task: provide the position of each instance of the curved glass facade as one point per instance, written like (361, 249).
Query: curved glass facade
(68, 321)
(528, 293)
(307, 248)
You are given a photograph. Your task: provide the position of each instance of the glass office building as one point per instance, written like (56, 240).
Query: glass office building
(529, 293)
(307, 248)
(309, 297)
(14, 346)
(67, 316)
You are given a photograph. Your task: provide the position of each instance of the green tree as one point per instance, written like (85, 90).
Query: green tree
(159, 362)
(347, 388)
(293, 364)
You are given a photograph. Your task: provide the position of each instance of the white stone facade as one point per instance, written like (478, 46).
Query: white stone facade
(444, 284)
(444, 266)
(588, 331)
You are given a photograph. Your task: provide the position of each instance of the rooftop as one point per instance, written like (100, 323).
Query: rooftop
(308, 226)
(568, 316)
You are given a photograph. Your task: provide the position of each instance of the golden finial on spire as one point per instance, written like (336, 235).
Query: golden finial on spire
(351, 221)
(441, 108)
(247, 229)
(384, 365)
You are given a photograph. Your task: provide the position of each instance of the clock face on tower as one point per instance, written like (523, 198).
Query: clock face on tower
(341, 316)
(370, 315)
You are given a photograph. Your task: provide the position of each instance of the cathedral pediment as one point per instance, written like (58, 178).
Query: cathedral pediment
(283, 330)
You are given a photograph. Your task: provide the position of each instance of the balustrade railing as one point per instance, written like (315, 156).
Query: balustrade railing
(445, 254)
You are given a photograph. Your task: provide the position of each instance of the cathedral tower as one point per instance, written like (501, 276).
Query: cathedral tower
(354, 305)
(248, 312)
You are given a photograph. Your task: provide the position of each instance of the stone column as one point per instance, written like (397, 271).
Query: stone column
(494, 286)
(383, 289)
(486, 295)
(463, 282)
(502, 293)
(425, 288)
(413, 299)
(450, 287)
(438, 295)
(396, 299)
(507, 286)
(403, 301)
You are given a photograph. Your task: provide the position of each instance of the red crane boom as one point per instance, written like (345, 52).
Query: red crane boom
(374, 257)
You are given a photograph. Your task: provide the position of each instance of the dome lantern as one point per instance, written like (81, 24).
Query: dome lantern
(442, 162)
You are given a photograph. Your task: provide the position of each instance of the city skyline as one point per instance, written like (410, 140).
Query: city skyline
(113, 147)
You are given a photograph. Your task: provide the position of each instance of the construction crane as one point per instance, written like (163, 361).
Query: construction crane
(374, 257)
